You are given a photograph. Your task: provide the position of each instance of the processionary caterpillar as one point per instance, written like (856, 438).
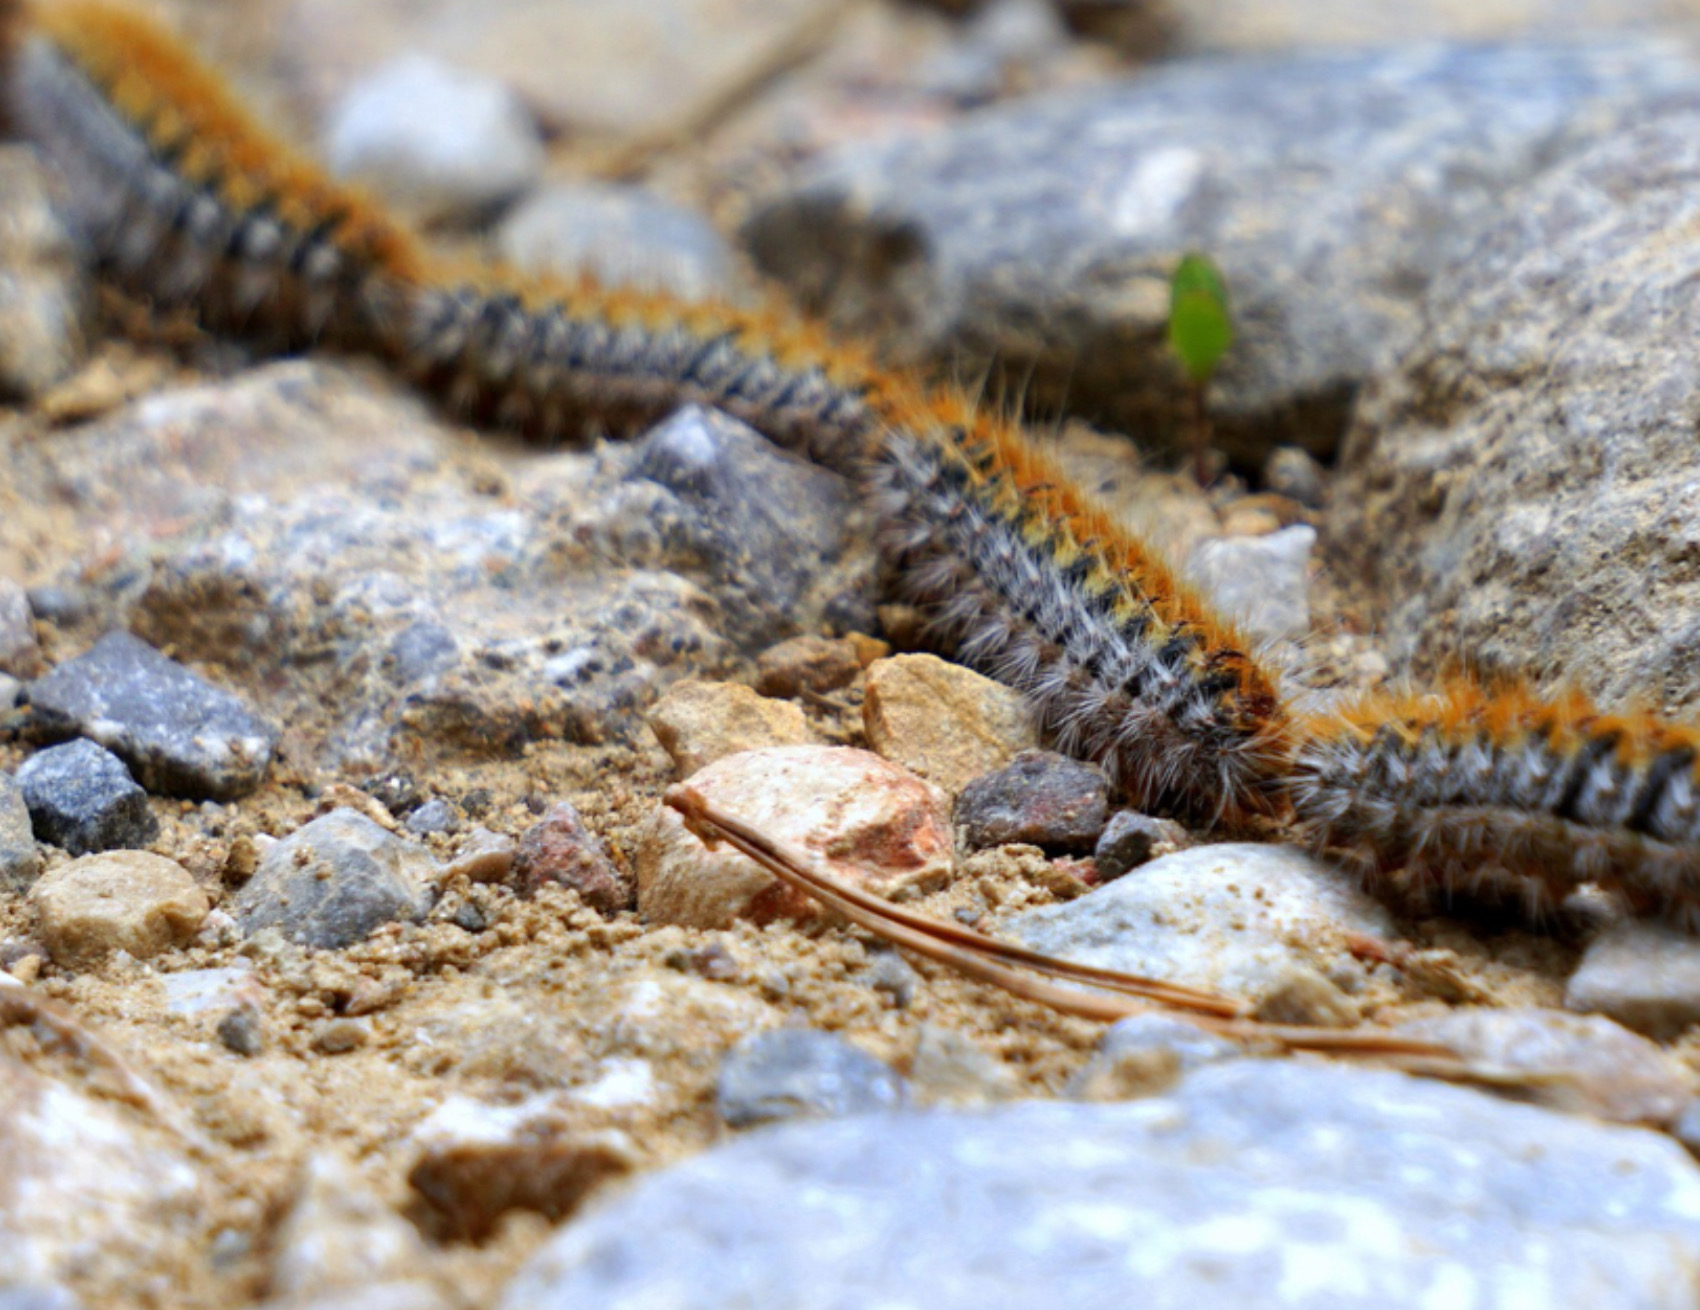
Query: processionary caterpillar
(182, 199)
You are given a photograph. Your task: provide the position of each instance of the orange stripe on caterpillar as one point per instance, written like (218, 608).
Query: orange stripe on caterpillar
(184, 198)
(1471, 783)
(180, 196)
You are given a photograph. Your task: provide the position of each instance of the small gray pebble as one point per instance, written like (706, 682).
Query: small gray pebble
(1295, 474)
(240, 1031)
(435, 815)
(1041, 799)
(20, 859)
(796, 1073)
(63, 606)
(892, 974)
(82, 798)
(1131, 839)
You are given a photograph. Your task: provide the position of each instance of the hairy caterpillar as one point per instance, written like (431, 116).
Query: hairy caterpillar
(182, 199)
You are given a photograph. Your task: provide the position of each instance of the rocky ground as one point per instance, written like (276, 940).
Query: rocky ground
(347, 955)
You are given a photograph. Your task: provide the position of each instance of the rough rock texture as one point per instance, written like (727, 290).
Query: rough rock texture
(1144, 1054)
(333, 881)
(392, 580)
(89, 1188)
(82, 798)
(1643, 975)
(1330, 188)
(796, 1073)
(811, 663)
(622, 235)
(1041, 799)
(559, 849)
(1262, 583)
(433, 139)
(45, 295)
(1252, 1184)
(1243, 919)
(1571, 1062)
(20, 860)
(1520, 487)
(877, 825)
(181, 735)
(944, 722)
(120, 901)
(20, 655)
(1131, 839)
(699, 722)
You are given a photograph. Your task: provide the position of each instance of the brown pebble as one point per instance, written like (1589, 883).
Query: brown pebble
(468, 1186)
(339, 1036)
(812, 663)
(560, 849)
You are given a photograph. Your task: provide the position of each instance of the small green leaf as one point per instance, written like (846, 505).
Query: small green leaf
(1200, 326)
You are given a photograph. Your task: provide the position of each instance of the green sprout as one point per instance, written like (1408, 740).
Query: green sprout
(1200, 331)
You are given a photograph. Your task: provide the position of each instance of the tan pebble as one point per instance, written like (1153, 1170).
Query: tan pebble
(879, 827)
(945, 722)
(812, 663)
(117, 901)
(484, 856)
(700, 722)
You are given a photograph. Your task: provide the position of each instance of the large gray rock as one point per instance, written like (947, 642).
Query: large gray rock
(1269, 1184)
(1520, 489)
(1330, 188)
(180, 734)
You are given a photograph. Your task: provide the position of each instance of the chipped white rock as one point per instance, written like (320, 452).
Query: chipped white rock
(440, 141)
(1644, 975)
(1237, 917)
(1263, 583)
(879, 826)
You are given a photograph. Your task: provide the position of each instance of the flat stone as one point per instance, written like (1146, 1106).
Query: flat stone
(1645, 976)
(20, 655)
(1269, 1183)
(620, 235)
(1262, 583)
(942, 721)
(46, 295)
(182, 735)
(559, 849)
(20, 858)
(1329, 187)
(1527, 494)
(875, 825)
(1236, 917)
(1587, 1064)
(797, 1073)
(333, 881)
(434, 139)
(1131, 839)
(699, 722)
(82, 798)
(1145, 1054)
(1039, 799)
(128, 901)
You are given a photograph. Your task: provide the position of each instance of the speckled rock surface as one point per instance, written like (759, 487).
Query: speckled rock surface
(1330, 189)
(331, 882)
(1041, 799)
(558, 849)
(796, 1073)
(434, 139)
(46, 295)
(1239, 918)
(1280, 1185)
(82, 798)
(129, 901)
(179, 733)
(1521, 486)
(878, 826)
(1262, 583)
(20, 860)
